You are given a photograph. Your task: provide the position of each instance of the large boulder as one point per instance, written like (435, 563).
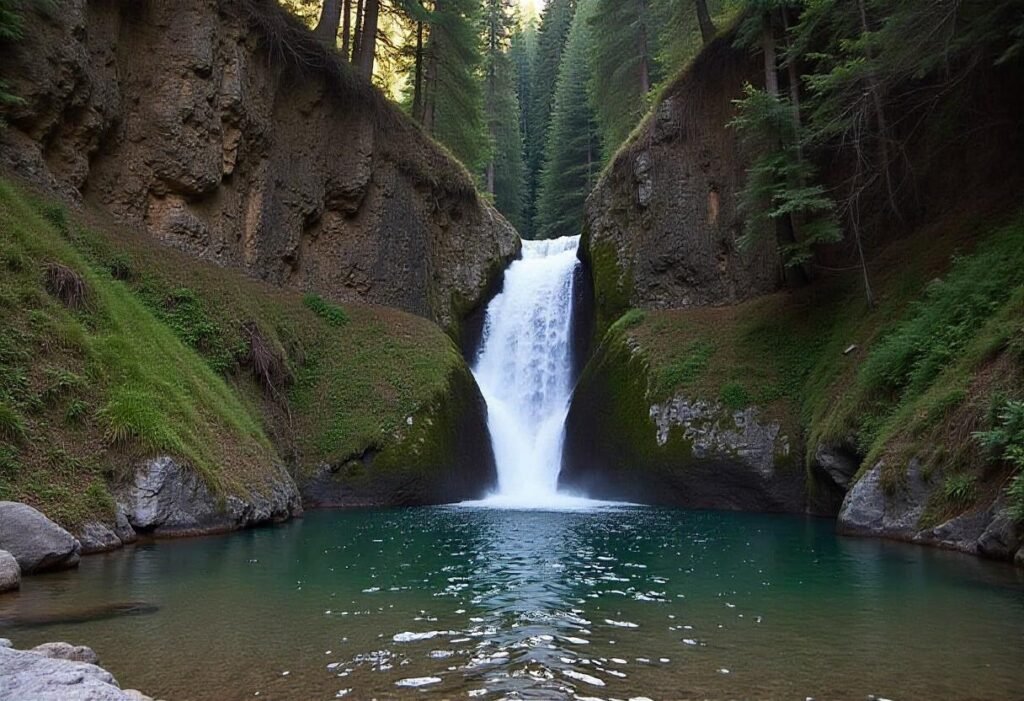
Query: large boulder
(41, 677)
(37, 543)
(10, 572)
(169, 498)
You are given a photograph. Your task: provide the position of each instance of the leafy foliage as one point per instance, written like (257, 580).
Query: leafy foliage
(1006, 442)
(779, 189)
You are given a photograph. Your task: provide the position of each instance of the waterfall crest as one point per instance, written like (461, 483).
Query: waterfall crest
(524, 371)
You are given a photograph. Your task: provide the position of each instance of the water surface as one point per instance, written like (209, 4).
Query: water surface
(618, 603)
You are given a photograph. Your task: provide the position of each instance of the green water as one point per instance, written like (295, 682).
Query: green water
(472, 603)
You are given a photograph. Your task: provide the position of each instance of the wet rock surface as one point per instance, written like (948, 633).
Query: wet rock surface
(36, 542)
(167, 498)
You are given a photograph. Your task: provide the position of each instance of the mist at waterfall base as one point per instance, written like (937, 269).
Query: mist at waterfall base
(525, 373)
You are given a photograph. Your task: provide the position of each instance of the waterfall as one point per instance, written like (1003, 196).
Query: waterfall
(524, 371)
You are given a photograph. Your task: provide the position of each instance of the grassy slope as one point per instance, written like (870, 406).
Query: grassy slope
(158, 361)
(931, 362)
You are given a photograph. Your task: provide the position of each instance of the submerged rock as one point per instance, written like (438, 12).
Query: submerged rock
(167, 498)
(36, 542)
(10, 572)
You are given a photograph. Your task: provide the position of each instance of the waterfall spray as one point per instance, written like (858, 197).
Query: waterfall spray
(524, 371)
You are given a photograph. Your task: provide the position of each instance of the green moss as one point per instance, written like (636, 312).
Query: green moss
(734, 396)
(683, 370)
(612, 285)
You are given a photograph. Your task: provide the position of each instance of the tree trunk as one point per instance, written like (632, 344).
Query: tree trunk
(645, 70)
(368, 42)
(883, 123)
(490, 177)
(327, 27)
(707, 27)
(417, 84)
(357, 32)
(771, 71)
(346, 31)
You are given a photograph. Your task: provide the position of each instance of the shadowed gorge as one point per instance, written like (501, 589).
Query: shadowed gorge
(581, 350)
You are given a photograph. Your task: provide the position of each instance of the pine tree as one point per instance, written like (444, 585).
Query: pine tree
(552, 34)
(623, 67)
(503, 174)
(522, 52)
(452, 109)
(572, 154)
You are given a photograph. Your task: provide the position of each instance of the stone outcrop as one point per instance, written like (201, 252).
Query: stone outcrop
(225, 130)
(98, 537)
(58, 672)
(167, 498)
(661, 226)
(442, 455)
(36, 542)
(10, 572)
(620, 444)
(899, 513)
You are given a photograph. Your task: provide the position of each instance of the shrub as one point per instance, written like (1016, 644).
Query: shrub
(331, 313)
(734, 396)
(1006, 442)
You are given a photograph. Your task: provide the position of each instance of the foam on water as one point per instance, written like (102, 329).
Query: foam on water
(524, 370)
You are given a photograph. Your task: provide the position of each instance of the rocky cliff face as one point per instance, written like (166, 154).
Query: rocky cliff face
(225, 130)
(661, 225)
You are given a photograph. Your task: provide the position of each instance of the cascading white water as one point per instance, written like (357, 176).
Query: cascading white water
(524, 371)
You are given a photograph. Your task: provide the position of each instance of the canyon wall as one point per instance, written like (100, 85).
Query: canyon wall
(661, 226)
(225, 130)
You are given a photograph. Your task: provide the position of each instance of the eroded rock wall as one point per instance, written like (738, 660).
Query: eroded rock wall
(224, 130)
(661, 226)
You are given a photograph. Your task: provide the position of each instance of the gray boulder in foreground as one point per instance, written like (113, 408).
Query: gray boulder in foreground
(36, 542)
(35, 676)
(167, 498)
(10, 572)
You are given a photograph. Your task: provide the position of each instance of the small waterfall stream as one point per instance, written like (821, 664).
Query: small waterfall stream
(524, 371)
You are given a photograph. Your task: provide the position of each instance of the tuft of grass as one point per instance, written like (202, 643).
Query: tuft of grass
(12, 425)
(331, 313)
(629, 320)
(960, 490)
(66, 285)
